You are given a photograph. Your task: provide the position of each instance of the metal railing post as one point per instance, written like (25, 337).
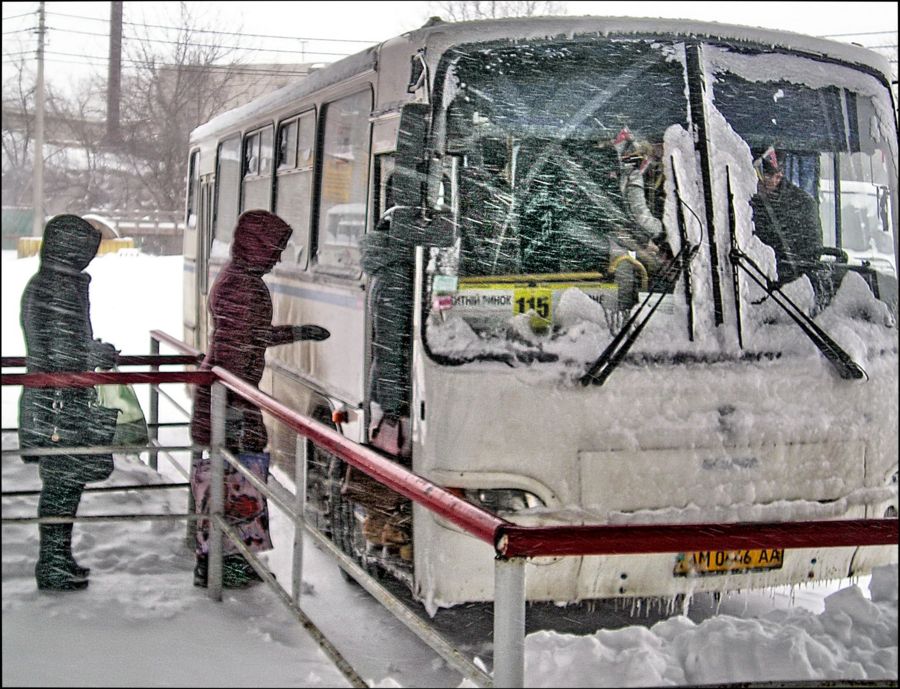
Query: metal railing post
(217, 490)
(509, 622)
(190, 533)
(153, 428)
(300, 507)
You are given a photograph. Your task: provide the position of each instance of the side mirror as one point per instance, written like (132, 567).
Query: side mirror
(410, 177)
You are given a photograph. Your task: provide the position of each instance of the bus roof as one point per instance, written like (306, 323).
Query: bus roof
(439, 36)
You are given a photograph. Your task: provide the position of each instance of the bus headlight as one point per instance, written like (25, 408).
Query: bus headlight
(502, 499)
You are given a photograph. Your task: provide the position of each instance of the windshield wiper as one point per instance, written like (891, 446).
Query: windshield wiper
(846, 367)
(606, 363)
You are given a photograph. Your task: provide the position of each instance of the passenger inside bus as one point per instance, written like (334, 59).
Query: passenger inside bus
(586, 202)
(387, 258)
(640, 177)
(486, 207)
(787, 219)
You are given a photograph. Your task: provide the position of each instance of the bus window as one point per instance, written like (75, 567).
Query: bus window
(287, 146)
(227, 181)
(543, 182)
(384, 167)
(829, 148)
(251, 155)
(265, 152)
(345, 167)
(193, 184)
(257, 169)
(293, 183)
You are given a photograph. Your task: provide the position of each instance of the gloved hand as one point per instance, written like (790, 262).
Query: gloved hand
(103, 355)
(310, 332)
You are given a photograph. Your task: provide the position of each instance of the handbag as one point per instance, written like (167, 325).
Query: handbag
(48, 419)
(100, 432)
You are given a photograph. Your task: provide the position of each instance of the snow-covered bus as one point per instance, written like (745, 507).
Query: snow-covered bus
(579, 270)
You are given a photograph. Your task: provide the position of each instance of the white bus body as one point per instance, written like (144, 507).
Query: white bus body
(723, 410)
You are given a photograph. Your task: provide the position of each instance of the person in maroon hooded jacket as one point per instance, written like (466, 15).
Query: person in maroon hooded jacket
(242, 329)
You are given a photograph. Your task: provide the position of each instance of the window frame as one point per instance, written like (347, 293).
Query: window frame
(352, 270)
(238, 191)
(254, 137)
(300, 260)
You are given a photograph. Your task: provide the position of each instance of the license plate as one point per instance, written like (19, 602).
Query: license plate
(707, 562)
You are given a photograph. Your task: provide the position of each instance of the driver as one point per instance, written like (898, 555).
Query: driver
(787, 219)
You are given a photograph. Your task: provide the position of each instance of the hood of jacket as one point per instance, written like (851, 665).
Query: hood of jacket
(69, 243)
(259, 239)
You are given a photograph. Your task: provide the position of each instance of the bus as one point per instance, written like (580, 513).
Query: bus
(579, 270)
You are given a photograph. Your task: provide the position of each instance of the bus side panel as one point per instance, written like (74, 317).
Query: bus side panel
(189, 292)
(315, 377)
(335, 365)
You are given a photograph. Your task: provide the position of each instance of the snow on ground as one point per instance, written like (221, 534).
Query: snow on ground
(142, 623)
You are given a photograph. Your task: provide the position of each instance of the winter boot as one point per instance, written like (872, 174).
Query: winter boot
(201, 571)
(237, 572)
(76, 569)
(52, 571)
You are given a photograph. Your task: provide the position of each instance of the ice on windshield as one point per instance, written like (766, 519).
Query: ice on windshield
(808, 154)
(568, 215)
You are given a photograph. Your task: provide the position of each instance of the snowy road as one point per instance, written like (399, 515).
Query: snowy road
(141, 622)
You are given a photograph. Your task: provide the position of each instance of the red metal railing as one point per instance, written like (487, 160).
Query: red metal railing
(512, 543)
(508, 539)
(476, 521)
(534, 541)
(511, 540)
(123, 360)
(87, 380)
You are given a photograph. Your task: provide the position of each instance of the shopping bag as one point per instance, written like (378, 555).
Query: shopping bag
(131, 425)
(246, 509)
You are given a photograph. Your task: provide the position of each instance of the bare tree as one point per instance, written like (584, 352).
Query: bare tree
(83, 172)
(18, 133)
(175, 83)
(18, 125)
(176, 87)
(463, 10)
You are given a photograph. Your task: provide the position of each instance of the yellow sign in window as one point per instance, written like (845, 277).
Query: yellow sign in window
(536, 299)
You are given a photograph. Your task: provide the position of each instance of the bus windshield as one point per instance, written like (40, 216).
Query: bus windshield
(558, 187)
(577, 187)
(553, 142)
(824, 152)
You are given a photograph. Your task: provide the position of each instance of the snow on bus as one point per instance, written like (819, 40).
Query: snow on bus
(664, 291)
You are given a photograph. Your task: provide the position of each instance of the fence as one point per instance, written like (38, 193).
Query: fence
(512, 544)
(154, 232)
(31, 246)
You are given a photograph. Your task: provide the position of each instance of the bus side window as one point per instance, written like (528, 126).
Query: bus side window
(193, 189)
(257, 170)
(384, 167)
(344, 183)
(293, 183)
(228, 179)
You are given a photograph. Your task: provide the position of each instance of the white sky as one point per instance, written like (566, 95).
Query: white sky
(373, 21)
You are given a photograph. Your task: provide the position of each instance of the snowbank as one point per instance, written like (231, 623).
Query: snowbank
(853, 638)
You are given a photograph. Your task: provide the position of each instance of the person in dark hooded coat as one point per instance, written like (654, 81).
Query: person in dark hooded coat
(56, 321)
(787, 218)
(241, 308)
